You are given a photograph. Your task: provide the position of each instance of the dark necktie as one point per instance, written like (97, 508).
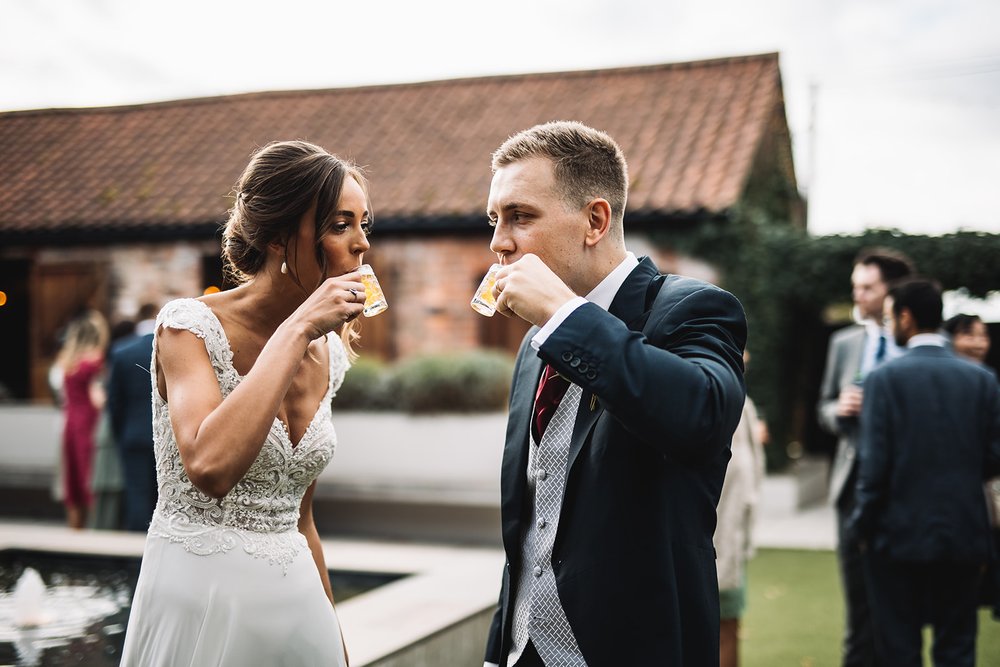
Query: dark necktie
(880, 350)
(550, 391)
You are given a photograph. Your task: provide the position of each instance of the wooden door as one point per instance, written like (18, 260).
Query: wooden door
(59, 292)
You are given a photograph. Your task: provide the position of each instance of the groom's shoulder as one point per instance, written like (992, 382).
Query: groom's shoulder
(676, 289)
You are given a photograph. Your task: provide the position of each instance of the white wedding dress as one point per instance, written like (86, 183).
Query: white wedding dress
(231, 581)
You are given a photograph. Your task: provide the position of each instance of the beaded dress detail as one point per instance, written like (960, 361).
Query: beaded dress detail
(260, 515)
(231, 582)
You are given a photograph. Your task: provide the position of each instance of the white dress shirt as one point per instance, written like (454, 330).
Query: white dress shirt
(602, 295)
(934, 339)
(873, 332)
(145, 327)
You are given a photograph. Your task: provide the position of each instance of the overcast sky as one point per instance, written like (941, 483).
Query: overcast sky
(906, 93)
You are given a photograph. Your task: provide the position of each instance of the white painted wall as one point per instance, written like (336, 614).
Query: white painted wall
(380, 455)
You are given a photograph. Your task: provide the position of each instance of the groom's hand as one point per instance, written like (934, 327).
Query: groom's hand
(529, 289)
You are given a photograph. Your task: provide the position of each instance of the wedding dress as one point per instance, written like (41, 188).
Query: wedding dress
(231, 581)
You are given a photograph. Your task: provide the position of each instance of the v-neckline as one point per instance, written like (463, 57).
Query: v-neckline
(282, 426)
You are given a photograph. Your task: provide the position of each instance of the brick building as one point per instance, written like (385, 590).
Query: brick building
(115, 206)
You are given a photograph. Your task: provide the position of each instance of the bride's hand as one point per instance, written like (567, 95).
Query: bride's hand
(336, 301)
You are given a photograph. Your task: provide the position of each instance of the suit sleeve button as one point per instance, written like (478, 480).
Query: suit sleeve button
(583, 369)
(592, 375)
(566, 356)
(575, 362)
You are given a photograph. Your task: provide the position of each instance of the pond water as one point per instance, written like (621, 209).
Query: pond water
(86, 607)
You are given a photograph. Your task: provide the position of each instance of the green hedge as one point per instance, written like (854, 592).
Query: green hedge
(364, 387)
(477, 381)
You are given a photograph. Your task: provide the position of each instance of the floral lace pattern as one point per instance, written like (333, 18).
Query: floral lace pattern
(261, 513)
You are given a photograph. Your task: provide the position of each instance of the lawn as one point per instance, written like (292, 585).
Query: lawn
(795, 613)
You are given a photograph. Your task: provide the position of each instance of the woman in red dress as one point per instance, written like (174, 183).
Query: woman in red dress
(81, 360)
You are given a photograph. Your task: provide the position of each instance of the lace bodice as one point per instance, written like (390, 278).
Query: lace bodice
(261, 512)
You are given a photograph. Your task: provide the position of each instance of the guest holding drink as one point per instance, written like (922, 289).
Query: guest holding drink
(233, 571)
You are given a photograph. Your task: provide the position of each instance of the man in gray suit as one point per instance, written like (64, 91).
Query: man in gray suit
(930, 437)
(854, 352)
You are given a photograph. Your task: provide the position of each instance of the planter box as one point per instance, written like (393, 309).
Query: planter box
(393, 475)
(439, 459)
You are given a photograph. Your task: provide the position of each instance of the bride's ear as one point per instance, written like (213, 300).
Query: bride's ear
(277, 252)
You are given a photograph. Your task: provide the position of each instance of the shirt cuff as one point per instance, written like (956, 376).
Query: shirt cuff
(557, 318)
(491, 664)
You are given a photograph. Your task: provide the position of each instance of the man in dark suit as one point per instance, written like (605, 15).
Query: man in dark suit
(930, 436)
(130, 408)
(854, 352)
(614, 460)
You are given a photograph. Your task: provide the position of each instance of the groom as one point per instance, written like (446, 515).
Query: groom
(624, 400)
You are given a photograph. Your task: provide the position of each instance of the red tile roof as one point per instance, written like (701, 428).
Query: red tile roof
(690, 132)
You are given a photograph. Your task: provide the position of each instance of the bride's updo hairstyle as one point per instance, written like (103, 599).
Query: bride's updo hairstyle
(278, 186)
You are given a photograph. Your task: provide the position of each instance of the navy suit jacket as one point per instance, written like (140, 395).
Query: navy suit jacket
(930, 437)
(130, 393)
(662, 394)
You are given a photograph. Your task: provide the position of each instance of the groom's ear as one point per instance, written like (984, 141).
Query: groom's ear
(599, 221)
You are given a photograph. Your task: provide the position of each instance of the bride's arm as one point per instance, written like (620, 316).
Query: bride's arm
(307, 526)
(220, 439)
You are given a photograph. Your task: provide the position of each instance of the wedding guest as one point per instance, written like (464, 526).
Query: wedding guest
(106, 482)
(970, 337)
(734, 534)
(80, 361)
(853, 353)
(130, 400)
(930, 437)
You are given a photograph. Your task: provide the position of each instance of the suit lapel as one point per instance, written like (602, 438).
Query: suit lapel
(515, 454)
(629, 305)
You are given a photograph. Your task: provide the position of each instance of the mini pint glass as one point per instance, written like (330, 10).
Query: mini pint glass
(374, 298)
(483, 301)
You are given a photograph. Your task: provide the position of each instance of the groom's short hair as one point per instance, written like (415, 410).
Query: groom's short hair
(587, 163)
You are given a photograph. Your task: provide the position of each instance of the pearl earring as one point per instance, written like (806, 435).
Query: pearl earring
(284, 268)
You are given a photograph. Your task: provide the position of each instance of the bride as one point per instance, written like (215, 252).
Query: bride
(233, 570)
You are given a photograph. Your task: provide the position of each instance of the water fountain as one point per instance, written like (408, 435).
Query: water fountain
(29, 600)
(43, 623)
(60, 609)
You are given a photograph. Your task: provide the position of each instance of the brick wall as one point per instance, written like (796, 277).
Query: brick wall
(157, 273)
(428, 283)
(138, 273)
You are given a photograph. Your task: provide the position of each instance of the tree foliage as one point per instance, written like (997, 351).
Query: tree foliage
(786, 280)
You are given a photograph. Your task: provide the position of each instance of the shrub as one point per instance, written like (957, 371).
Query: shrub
(462, 382)
(477, 381)
(364, 386)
